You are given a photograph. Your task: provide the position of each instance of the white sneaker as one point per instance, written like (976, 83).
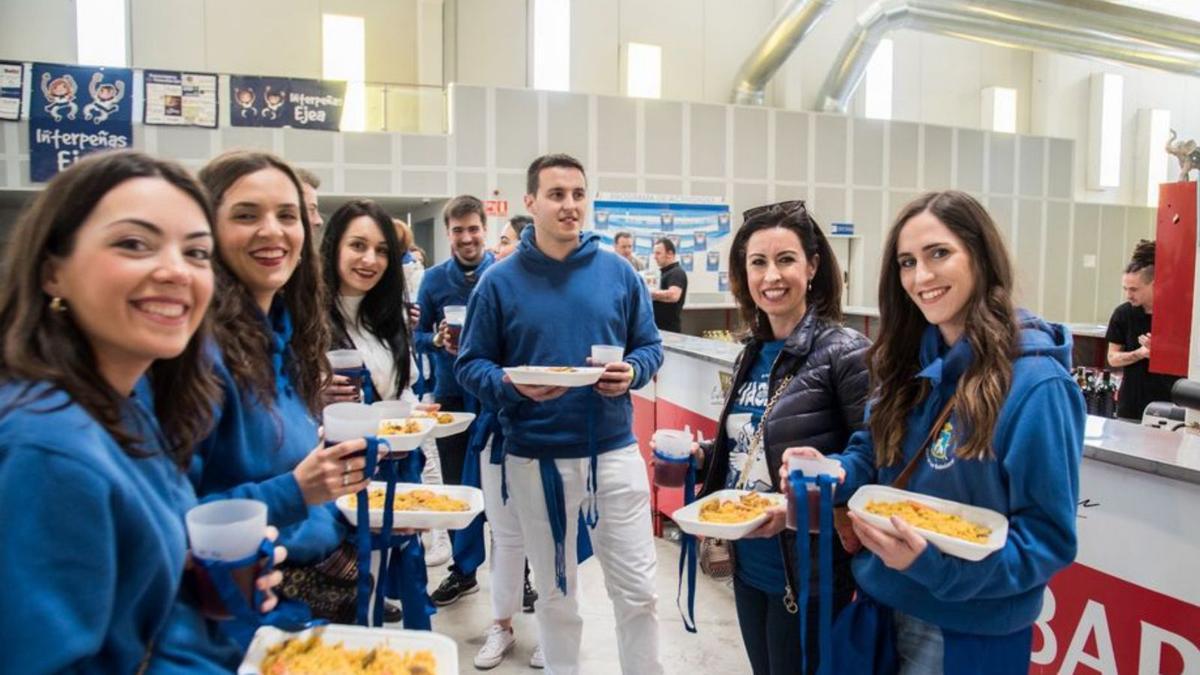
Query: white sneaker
(439, 551)
(538, 660)
(498, 642)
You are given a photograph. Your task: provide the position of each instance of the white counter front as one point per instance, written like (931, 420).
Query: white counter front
(1131, 601)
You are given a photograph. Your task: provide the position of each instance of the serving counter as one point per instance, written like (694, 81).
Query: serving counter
(1131, 601)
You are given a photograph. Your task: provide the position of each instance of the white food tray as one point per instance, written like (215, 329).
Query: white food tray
(462, 420)
(954, 546)
(421, 520)
(407, 442)
(688, 517)
(545, 376)
(444, 649)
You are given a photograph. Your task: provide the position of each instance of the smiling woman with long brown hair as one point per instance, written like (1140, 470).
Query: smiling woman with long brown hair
(106, 281)
(972, 401)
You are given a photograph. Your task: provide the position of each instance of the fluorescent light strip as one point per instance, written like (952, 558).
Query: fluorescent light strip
(1111, 100)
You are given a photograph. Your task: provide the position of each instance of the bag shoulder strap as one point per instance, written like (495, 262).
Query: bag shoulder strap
(901, 481)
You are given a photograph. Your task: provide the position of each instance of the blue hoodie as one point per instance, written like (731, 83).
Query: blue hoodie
(92, 545)
(1033, 478)
(443, 284)
(533, 310)
(253, 449)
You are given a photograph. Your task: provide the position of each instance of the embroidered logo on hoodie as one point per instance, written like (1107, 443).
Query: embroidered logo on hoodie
(941, 453)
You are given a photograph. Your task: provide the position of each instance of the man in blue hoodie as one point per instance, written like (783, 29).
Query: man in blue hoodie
(569, 449)
(450, 283)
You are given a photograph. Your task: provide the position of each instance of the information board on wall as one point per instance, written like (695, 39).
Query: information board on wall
(698, 226)
(180, 99)
(75, 111)
(286, 102)
(12, 80)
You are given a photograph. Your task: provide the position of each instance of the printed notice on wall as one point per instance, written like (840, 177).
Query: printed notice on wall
(75, 111)
(181, 99)
(11, 76)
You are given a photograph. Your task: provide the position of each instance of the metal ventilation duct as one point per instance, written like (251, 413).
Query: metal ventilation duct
(1089, 28)
(793, 23)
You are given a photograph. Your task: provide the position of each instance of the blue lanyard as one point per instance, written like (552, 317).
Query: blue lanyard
(799, 484)
(687, 556)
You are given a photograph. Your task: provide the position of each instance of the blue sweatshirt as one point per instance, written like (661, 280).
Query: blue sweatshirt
(533, 310)
(1033, 478)
(443, 284)
(92, 546)
(253, 449)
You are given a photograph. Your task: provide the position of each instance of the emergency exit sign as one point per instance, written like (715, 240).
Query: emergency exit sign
(496, 207)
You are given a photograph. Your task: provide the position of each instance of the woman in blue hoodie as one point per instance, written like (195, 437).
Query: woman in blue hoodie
(271, 337)
(954, 352)
(106, 279)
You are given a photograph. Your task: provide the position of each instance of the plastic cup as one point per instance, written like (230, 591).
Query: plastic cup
(391, 410)
(672, 451)
(602, 355)
(226, 530)
(456, 316)
(348, 363)
(810, 468)
(349, 421)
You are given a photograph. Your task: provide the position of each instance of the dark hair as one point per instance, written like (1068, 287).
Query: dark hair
(824, 296)
(381, 313)
(462, 206)
(623, 235)
(42, 345)
(239, 327)
(308, 178)
(519, 223)
(548, 162)
(1142, 260)
(991, 331)
(666, 244)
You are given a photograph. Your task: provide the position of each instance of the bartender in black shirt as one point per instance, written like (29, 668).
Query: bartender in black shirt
(1129, 338)
(672, 288)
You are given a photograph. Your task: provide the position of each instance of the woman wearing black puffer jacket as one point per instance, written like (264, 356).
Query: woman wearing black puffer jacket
(807, 375)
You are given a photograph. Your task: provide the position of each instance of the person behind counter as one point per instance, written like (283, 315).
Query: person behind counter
(549, 452)
(788, 286)
(107, 279)
(1129, 338)
(272, 334)
(973, 401)
(672, 287)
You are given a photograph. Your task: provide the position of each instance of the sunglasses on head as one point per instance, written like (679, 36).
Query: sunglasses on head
(785, 208)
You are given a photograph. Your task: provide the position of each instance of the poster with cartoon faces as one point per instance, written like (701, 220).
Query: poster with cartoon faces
(286, 102)
(75, 111)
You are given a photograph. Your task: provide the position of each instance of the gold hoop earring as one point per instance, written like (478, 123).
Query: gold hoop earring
(57, 304)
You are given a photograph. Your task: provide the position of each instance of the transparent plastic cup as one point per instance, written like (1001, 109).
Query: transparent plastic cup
(810, 468)
(349, 421)
(602, 355)
(224, 531)
(456, 316)
(672, 451)
(348, 363)
(390, 410)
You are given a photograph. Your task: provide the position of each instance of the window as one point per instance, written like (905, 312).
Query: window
(100, 33)
(1104, 132)
(879, 82)
(999, 109)
(552, 44)
(643, 70)
(1153, 165)
(343, 44)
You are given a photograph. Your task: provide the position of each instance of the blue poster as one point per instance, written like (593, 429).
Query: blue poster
(723, 281)
(75, 111)
(286, 102)
(692, 226)
(685, 261)
(12, 81)
(714, 261)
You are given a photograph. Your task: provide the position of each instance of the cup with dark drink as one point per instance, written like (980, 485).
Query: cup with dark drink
(672, 457)
(810, 468)
(226, 539)
(348, 363)
(455, 316)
